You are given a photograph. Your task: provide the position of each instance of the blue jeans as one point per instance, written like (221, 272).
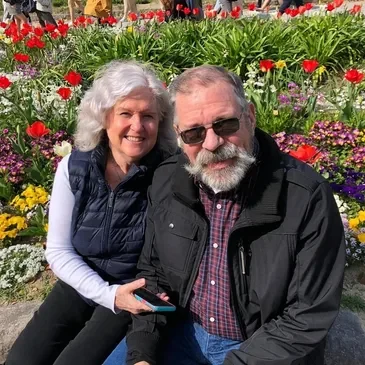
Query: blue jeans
(187, 344)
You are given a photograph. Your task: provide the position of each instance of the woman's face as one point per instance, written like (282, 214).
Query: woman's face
(132, 125)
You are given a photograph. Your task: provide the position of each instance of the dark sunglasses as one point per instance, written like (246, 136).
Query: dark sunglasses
(221, 128)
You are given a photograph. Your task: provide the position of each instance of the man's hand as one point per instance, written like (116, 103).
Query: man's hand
(142, 363)
(125, 300)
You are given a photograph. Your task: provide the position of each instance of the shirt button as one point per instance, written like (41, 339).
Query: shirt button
(219, 206)
(171, 225)
(212, 319)
(215, 245)
(212, 282)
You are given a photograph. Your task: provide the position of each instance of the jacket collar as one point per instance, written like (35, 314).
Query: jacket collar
(262, 203)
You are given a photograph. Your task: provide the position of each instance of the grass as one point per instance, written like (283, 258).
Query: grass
(37, 289)
(353, 303)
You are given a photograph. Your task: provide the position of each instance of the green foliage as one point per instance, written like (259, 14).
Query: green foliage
(352, 302)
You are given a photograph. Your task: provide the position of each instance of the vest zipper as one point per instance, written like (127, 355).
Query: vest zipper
(110, 200)
(109, 213)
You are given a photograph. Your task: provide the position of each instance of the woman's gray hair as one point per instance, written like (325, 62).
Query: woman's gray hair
(205, 76)
(114, 82)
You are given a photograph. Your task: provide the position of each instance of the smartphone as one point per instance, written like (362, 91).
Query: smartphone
(153, 301)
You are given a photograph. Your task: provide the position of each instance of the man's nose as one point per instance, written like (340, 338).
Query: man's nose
(212, 140)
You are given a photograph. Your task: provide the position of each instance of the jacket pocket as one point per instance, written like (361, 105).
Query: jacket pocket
(175, 238)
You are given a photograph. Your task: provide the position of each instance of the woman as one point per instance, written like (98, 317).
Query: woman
(98, 8)
(96, 220)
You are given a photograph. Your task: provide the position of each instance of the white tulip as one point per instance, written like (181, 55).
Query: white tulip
(62, 150)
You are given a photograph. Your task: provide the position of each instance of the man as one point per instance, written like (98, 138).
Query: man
(247, 241)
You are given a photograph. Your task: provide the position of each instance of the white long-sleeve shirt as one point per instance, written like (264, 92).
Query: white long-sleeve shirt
(64, 261)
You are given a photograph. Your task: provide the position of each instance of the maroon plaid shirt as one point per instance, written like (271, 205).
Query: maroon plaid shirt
(210, 298)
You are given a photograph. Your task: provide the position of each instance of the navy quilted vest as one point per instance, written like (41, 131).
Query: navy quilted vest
(108, 226)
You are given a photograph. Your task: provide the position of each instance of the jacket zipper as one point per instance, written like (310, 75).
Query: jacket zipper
(235, 306)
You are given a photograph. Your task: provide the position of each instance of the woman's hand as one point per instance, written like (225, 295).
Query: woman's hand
(125, 300)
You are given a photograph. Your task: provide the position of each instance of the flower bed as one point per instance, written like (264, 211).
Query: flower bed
(305, 77)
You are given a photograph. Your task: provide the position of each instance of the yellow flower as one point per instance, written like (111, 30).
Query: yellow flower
(130, 29)
(275, 112)
(362, 216)
(280, 64)
(361, 237)
(46, 227)
(321, 69)
(354, 222)
(12, 233)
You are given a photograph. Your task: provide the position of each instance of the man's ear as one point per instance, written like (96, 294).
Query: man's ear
(252, 115)
(176, 129)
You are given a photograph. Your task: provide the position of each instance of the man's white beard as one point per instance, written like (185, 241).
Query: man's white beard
(224, 179)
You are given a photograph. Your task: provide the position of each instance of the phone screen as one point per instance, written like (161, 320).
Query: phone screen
(151, 298)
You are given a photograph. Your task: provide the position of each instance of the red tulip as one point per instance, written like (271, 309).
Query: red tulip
(223, 14)
(211, 14)
(55, 35)
(50, 28)
(64, 93)
(294, 12)
(251, 6)
(237, 9)
(37, 130)
(35, 42)
(179, 7)
(4, 82)
(73, 78)
(355, 9)
(111, 20)
(160, 14)
(21, 57)
(63, 29)
(354, 76)
(38, 31)
(338, 3)
(235, 14)
(310, 66)
(209, 7)
(132, 17)
(306, 153)
(308, 6)
(186, 11)
(330, 7)
(266, 65)
(196, 11)
(302, 10)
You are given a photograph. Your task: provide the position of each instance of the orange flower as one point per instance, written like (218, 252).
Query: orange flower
(354, 76)
(306, 153)
(266, 65)
(310, 66)
(37, 130)
(73, 78)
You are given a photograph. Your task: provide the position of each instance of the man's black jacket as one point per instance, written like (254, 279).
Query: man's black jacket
(291, 237)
